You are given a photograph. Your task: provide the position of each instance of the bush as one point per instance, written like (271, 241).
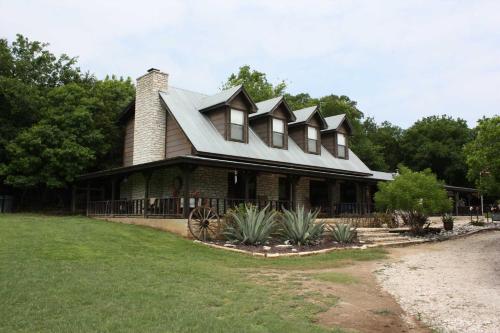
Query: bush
(387, 219)
(250, 226)
(343, 233)
(448, 220)
(413, 195)
(300, 227)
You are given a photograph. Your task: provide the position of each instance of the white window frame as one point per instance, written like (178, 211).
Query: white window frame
(341, 148)
(312, 136)
(237, 122)
(276, 122)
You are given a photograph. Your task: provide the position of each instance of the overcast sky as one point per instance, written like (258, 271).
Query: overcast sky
(401, 60)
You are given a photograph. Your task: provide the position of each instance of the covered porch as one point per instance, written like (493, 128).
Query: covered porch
(173, 188)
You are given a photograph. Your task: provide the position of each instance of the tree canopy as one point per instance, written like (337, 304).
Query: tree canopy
(483, 156)
(55, 121)
(437, 143)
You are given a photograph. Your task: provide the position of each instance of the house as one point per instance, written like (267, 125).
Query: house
(183, 149)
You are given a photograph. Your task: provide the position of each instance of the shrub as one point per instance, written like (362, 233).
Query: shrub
(388, 219)
(448, 221)
(344, 233)
(300, 227)
(413, 195)
(249, 225)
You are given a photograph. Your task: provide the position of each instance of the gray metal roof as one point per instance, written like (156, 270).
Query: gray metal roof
(334, 122)
(380, 175)
(266, 106)
(211, 100)
(304, 114)
(185, 105)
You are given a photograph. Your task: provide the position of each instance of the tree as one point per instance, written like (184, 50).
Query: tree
(483, 156)
(437, 142)
(386, 141)
(255, 83)
(55, 122)
(413, 195)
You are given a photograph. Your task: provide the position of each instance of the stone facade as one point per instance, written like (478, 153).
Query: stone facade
(268, 186)
(150, 118)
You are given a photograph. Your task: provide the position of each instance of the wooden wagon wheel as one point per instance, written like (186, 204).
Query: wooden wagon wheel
(204, 223)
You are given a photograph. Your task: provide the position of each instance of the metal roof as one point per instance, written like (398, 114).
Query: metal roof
(184, 105)
(380, 175)
(334, 122)
(266, 106)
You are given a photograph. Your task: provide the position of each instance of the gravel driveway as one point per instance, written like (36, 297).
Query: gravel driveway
(454, 286)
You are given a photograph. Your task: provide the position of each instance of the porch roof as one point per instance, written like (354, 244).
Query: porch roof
(222, 163)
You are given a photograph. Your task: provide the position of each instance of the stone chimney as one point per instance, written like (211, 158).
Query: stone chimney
(150, 121)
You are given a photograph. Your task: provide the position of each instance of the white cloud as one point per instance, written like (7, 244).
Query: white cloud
(400, 59)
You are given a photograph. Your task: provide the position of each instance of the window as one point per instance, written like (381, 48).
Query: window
(312, 139)
(237, 121)
(341, 146)
(278, 133)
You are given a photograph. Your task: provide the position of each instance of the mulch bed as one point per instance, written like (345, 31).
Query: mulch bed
(275, 248)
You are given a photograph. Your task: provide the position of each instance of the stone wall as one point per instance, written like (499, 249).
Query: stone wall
(150, 118)
(268, 186)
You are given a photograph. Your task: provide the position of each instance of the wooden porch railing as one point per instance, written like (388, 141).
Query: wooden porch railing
(174, 206)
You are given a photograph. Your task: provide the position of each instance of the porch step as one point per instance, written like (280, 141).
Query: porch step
(384, 237)
(397, 243)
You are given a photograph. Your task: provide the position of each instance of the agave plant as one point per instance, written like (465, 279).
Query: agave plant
(343, 233)
(300, 227)
(250, 226)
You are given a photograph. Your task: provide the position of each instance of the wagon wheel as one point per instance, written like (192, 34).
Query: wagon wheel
(204, 223)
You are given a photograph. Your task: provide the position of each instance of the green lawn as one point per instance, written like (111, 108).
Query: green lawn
(74, 274)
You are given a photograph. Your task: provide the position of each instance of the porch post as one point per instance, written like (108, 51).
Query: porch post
(113, 190)
(293, 180)
(147, 177)
(186, 180)
(247, 185)
(331, 189)
(88, 198)
(456, 203)
(73, 199)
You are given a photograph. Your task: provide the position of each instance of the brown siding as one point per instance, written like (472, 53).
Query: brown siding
(281, 113)
(218, 118)
(314, 121)
(298, 135)
(128, 146)
(239, 102)
(328, 140)
(177, 143)
(261, 128)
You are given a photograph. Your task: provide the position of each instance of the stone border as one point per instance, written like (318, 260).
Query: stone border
(332, 249)
(277, 255)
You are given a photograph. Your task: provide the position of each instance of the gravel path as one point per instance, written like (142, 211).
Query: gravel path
(453, 286)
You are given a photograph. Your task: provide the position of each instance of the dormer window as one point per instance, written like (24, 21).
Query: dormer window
(341, 145)
(237, 123)
(278, 130)
(312, 139)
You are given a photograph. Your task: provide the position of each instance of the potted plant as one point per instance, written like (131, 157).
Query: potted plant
(448, 222)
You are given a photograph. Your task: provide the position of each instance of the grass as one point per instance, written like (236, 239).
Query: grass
(336, 277)
(74, 274)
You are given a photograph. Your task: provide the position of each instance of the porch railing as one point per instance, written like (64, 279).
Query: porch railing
(174, 206)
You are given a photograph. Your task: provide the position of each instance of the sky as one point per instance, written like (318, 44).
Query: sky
(400, 60)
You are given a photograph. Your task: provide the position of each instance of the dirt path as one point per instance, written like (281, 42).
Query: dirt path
(453, 285)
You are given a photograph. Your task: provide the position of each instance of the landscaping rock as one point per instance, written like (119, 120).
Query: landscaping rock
(284, 246)
(266, 248)
(230, 245)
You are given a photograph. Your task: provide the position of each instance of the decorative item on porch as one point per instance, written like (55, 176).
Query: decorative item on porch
(204, 223)
(448, 222)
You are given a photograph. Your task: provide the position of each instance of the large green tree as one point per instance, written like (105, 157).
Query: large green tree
(55, 121)
(483, 156)
(437, 143)
(255, 83)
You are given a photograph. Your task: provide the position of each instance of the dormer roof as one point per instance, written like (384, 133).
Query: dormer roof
(305, 115)
(268, 106)
(334, 122)
(224, 98)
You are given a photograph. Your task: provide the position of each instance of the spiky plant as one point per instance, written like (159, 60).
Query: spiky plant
(300, 227)
(250, 226)
(343, 233)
